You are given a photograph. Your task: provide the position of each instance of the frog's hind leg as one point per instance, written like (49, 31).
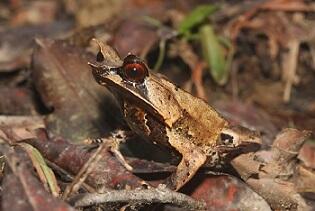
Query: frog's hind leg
(192, 159)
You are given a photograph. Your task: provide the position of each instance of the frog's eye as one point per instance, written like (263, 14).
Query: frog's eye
(134, 70)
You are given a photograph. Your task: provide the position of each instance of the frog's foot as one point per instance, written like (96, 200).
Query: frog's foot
(119, 136)
(114, 148)
(192, 159)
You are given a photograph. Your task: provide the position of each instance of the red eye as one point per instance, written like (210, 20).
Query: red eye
(134, 70)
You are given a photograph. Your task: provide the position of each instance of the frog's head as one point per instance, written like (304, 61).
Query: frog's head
(123, 77)
(130, 79)
(109, 70)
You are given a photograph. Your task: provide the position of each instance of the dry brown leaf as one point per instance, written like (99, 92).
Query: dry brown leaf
(274, 170)
(288, 5)
(307, 154)
(20, 183)
(305, 182)
(64, 80)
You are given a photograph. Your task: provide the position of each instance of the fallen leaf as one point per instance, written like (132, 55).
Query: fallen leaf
(134, 42)
(108, 173)
(20, 183)
(307, 154)
(305, 182)
(287, 5)
(89, 13)
(18, 101)
(226, 193)
(275, 170)
(81, 108)
(16, 43)
(35, 13)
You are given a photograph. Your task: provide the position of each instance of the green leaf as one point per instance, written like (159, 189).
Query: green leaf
(45, 174)
(214, 54)
(197, 16)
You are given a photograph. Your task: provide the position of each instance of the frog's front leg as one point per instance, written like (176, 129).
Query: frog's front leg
(192, 159)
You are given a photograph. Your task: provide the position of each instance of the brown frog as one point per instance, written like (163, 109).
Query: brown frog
(162, 113)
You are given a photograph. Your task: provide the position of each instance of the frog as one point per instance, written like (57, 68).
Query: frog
(164, 114)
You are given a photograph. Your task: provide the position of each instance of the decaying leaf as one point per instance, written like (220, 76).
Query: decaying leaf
(64, 81)
(16, 43)
(226, 193)
(276, 169)
(20, 183)
(307, 154)
(108, 172)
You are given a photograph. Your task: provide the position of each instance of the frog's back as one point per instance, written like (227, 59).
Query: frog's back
(200, 119)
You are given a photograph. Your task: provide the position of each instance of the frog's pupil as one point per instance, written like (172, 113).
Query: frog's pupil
(133, 72)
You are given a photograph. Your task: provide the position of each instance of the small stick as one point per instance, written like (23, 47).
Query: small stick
(85, 171)
(146, 196)
(289, 69)
(67, 176)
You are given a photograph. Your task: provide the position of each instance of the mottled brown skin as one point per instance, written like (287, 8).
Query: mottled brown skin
(162, 113)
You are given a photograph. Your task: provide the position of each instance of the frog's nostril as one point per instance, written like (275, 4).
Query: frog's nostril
(99, 57)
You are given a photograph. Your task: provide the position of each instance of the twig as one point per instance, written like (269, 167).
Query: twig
(64, 174)
(289, 68)
(196, 76)
(147, 196)
(85, 171)
(22, 121)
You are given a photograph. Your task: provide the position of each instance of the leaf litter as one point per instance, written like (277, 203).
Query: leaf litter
(259, 59)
